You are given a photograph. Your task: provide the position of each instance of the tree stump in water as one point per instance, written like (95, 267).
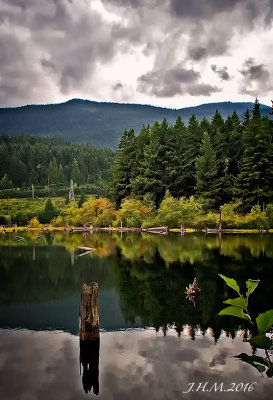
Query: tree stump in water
(89, 337)
(89, 313)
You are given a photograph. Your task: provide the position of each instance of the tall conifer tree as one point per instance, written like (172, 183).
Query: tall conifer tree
(123, 167)
(253, 183)
(207, 182)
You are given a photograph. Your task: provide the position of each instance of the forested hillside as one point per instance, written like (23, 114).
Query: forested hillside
(217, 161)
(51, 163)
(100, 124)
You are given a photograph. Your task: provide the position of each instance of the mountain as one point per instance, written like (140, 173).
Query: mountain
(101, 124)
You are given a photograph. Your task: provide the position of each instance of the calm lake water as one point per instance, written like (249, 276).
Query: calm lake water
(154, 342)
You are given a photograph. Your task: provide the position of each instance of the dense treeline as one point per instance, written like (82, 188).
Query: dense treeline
(217, 161)
(27, 160)
(133, 213)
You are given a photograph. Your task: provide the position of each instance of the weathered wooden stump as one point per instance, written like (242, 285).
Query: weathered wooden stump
(89, 312)
(89, 337)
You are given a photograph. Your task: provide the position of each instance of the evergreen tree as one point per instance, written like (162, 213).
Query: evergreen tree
(5, 182)
(253, 183)
(123, 167)
(82, 199)
(174, 158)
(76, 175)
(207, 182)
(190, 152)
(141, 141)
(153, 180)
(49, 212)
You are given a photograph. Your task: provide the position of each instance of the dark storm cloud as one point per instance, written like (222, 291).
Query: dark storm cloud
(197, 53)
(256, 78)
(59, 46)
(118, 86)
(66, 39)
(174, 81)
(252, 71)
(197, 8)
(222, 72)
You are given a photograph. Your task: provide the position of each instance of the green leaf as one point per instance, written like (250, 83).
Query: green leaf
(264, 321)
(261, 341)
(259, 363)
(251, 286)
(235, 312)
(238, 302)
(231, 283)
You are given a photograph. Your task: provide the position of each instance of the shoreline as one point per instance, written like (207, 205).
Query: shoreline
(72, 229)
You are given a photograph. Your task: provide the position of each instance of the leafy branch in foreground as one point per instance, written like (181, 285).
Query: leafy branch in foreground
(239, 308)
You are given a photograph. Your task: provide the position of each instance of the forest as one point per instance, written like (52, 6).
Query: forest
(169, 175)
(49, 164)
(216, 161)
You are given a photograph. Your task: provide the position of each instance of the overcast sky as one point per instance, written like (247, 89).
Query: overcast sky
(171, 53)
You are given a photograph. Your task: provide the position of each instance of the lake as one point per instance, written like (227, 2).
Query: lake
(155, 343)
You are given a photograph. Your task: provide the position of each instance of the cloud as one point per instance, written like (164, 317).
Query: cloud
(68, 48)
(256, 78)
(54, 46)
(222, 72)
(174, 81)
(252, 71)
(118, 86)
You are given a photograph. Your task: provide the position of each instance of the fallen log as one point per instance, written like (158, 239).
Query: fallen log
(85, 250)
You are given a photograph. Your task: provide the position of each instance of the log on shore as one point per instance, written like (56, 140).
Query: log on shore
(163, 230)
(89, 312)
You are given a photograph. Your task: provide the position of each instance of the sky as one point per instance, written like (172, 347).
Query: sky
(168, 53)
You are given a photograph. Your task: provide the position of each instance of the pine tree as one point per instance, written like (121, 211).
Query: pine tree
(152, 177)
(123, 167)
(191, 151)
(253, 182)
(76, 175)
(49, 212)
(207, 182)
(174, 158)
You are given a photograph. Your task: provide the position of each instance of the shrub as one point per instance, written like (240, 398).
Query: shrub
(133, 212)
(34, 222)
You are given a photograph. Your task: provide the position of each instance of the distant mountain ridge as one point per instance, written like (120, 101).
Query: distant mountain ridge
(101, 124)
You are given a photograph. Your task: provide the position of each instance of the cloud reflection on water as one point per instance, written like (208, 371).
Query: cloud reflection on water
(133, 364)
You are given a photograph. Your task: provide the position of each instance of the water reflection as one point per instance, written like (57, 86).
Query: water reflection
(133, 365)
(89, 361)
(142, 279)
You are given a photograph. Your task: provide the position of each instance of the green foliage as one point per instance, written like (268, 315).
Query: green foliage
(82, 199)
(44, 162)
(254, 180)
(49, 212)
(235, 311)
(5, 182)
(231, 283)
(98, 212)
(264, 322)
(34, 222)
(133, 213)
(123, 167)
(168, 213)
(190, 211)
(207, 182)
